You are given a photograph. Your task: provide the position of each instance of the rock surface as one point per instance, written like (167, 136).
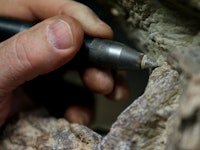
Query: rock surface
(166, 116)
(36, 130)
(186, 125)
(143, 125)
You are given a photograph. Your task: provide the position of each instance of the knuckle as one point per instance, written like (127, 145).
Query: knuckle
(22, 52)
(71, 6)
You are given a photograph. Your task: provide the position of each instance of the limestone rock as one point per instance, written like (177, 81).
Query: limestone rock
(143, 124)
(36, 130)
(186, 131)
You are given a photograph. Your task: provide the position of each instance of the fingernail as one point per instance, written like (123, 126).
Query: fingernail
(60, 35)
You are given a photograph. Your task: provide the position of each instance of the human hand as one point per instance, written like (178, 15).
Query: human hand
(46, 47)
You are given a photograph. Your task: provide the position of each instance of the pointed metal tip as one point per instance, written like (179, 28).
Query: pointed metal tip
(147, 63)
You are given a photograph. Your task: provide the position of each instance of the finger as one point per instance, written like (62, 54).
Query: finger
(39, 50)
(93, 26)
(32, 10)
(98, 80)
(120, 91)
(79, 114)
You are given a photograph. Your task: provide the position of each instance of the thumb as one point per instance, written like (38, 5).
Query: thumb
(39, 50)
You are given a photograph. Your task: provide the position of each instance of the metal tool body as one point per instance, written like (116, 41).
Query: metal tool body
(102, 52)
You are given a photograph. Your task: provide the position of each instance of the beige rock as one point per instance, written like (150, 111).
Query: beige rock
(36, 130)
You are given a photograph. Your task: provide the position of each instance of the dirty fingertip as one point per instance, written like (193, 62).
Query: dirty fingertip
(78, 115)
(120, 90)
(120, 93)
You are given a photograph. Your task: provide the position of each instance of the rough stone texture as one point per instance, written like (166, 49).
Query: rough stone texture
(166, 116)
(143, 124)
(186, 129)
(158, 28)
(36, 130)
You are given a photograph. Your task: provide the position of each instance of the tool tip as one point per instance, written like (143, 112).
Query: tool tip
(147, 63)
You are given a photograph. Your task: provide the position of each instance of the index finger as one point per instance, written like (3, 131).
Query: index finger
(39, 10)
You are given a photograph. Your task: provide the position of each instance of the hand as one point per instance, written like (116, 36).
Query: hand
(47, 46)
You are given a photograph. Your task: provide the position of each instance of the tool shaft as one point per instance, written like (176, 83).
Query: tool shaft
(101, 52)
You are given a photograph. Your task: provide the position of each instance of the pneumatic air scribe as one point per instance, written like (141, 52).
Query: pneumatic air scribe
(101, 52)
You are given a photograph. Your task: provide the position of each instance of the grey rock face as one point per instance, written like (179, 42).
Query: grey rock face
(143, 124)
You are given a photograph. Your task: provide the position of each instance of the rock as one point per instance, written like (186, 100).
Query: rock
(186, 129)
(36, 130)
(143, 124)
